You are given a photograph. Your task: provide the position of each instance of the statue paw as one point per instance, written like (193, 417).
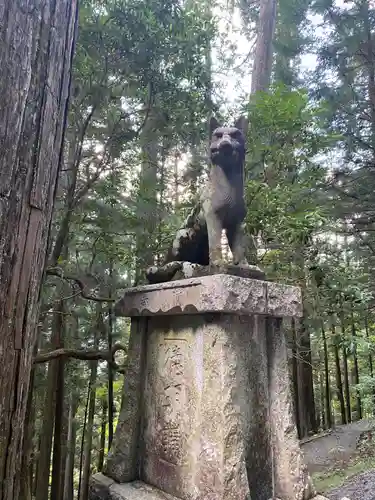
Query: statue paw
(241, 263)
(218, 263)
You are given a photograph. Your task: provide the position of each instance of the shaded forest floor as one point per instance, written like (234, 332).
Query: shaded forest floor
(358, 487)
(342, 461)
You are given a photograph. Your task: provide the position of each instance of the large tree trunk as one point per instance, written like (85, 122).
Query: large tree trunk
(88, 431)
(37, 39)
(328, 415)
(261, 74)
(147, 194)
(45, 448)
(345, 366)
(103, 429)
(340, 391)
(322, 401)
(296, 393)
(261, 79)
(370, 362)
(346, 385)
(356, 367)
(60, 430)
(52, 410)
(111, 403)
(317, 396)
(367, 51)
(305, 381)
(82, 446)
(27, 460)
(70, 453)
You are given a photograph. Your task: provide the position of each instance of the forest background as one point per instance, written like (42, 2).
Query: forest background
(147, 76)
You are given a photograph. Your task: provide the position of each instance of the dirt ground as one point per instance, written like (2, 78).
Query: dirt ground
(361, 487)
(331, 455)
(320, 451)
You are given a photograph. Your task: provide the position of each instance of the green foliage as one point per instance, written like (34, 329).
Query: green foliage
(292, 37)
(284, 174)
(138, 99)
(141, 94)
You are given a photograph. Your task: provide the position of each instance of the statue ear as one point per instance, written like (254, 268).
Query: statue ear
(214, 124)
(242, 124)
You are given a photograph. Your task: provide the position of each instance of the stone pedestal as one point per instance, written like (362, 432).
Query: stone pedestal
(207, 411)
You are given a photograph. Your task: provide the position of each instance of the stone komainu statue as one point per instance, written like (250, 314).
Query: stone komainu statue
(221, 206)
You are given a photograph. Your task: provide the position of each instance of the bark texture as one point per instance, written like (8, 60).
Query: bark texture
(263, 58)
(307, 412)
(36, 48)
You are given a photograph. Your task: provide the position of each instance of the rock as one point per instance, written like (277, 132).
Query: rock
(178, 270)
(103, 488)
(219, 293)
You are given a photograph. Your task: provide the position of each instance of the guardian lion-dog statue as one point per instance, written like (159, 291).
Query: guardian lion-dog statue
(221, 206)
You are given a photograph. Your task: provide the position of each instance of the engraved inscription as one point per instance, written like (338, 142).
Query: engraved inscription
(172, 401)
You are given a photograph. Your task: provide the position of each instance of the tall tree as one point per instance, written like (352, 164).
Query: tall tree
(279, 175)
(344, 81)
(290, 40)
(263, 58)
(37, 40)
(137, 97)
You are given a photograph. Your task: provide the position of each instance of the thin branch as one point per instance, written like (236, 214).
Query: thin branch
(84, 355)
(81, 285)
(148, 108)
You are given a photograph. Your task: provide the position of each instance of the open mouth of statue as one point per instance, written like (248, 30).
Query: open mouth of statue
(222, 151)
(226, 148)
(227, 151)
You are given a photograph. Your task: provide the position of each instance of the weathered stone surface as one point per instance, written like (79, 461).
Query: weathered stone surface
(104, 488)
(209, 294)
(170, 407)
(317, 497)
(99, 487)
(291, 477)
(205, 431)
(258, 456)
(177, 270)
(207, 411)
(283, 300)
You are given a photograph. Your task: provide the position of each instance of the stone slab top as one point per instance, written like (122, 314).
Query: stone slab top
(220, 293)
(104, 488)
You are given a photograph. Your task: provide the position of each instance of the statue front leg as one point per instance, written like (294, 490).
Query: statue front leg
(237, 244)
(214, 231)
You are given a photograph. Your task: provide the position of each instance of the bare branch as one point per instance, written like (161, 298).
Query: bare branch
(81, 285)
(84, 355)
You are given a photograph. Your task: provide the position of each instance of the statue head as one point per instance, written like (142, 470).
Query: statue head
(227, 146)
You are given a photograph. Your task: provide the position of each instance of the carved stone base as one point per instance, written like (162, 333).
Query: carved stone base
(207, 410)
(178, 270)
(104, 488)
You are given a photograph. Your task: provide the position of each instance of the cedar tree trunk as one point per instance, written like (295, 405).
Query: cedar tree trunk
(36, 48)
